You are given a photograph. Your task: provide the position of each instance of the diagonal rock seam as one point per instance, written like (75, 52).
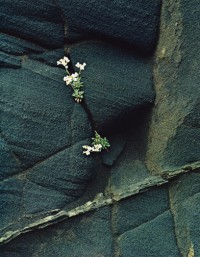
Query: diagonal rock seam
(100, 201)
(27, 170)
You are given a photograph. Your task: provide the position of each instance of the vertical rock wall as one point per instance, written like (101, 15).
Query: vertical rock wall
(141, 91)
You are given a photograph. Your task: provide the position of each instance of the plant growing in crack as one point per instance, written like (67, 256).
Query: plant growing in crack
(98, 144)
(74, 80)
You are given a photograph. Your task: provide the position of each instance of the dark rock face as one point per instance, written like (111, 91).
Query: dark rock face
(137, 221)
(117, 83)
(37, 21)
(184, 195)
(132, 23)
(86, 236)
(42, 165)
(55, 201)
(154, 238)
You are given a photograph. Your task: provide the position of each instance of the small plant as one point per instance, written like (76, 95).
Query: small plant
(98, 144)
(74, 79)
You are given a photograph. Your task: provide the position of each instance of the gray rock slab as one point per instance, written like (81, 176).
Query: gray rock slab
(49, 57)
(9, 61)
(88, 235)
(117, 83)
(42, 133)
(38, 115)
(129, 169)
(185, 197)
(17, 46)
(10, 201)
(134, 211)
(38, 21)
(152, 239)
(134, 23)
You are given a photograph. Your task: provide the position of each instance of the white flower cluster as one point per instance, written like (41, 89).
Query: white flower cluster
(71, 78)
(97, 145)
(89, 149)
(81, 66)
(74, 79)
(64, 62)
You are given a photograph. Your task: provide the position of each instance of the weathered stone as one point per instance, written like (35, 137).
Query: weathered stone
(185, 197)
(132, 212)
(117, 145)
(86, 236)
(49, 57)
(154, 238)
(175, 136)
(10, 201)
(134, 23)
(9, 61)
(18, 46)
(9, 164)
(117, 82)
(38, 21)
(42, 133)
(130, 168)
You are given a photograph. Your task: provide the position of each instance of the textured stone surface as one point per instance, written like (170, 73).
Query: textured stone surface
(42, 165)
(45, 180)
(38, 21)
(140, 209)
(85, 236)
(175, 138)
(117, 82)
(126, 229)
(185, 197)
(130, 168)
(134, 23)
(42, 130)
(8, 61)
(17, 46)
(154, 238)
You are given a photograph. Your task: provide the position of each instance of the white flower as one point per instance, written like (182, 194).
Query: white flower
(71, 78)
(75, 76)
(66, 59)
(97, 148)
(63, 62)
(80, 66)
(78, 100)
(86, 152)
(68, 79)
(89, 149)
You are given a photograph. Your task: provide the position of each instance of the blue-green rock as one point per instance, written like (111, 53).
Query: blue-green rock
(36, 21)
(185, 197)
(42, 134)
(9, 61)
(88, 235)
(134, 23)
(117, 83)
(152, 239)
(140, 209)
(17, 46)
